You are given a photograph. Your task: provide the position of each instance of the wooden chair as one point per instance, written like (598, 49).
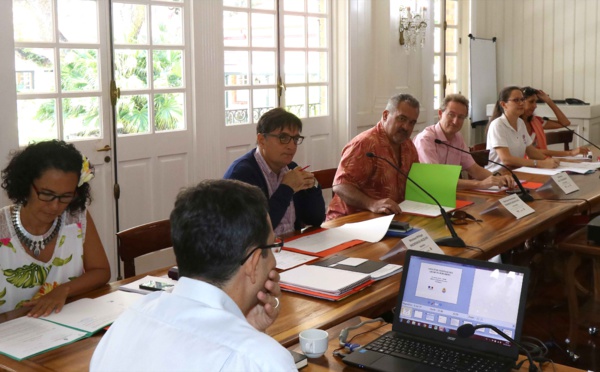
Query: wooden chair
(325, 177)
(479, 146)
(140, 240)
(562, 136)
(481, 157)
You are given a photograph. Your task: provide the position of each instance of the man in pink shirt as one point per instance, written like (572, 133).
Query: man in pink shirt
(453, 112)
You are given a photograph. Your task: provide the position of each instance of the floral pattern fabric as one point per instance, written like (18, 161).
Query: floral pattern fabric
(374, 177)
(23, 277)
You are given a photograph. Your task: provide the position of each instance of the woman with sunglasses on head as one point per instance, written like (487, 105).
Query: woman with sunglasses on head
(536, 125)
(49, 246)
(507, 137)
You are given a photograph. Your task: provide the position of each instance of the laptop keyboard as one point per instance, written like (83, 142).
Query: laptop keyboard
(441, 357)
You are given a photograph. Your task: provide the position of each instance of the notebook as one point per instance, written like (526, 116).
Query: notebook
(438, 294)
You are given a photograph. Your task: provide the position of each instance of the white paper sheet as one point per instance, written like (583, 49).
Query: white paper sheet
(286, 259)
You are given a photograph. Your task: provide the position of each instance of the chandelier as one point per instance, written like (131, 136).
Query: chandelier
(412, 28)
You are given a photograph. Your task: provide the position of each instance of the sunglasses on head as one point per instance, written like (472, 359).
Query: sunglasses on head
(462, 218)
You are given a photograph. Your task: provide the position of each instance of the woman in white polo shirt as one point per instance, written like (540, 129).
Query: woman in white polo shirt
(507, 137)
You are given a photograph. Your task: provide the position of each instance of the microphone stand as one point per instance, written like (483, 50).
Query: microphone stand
(451, 241)
(467, 330)
(572, 131)
(523, 194)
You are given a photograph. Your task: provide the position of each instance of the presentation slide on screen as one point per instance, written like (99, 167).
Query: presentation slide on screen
(439, 283)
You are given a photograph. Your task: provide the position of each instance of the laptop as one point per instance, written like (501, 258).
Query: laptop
(438, 294)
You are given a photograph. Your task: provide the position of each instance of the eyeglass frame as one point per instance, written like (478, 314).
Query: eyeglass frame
(282, 138)
(52, 196)
(462, 220)
(276, 247)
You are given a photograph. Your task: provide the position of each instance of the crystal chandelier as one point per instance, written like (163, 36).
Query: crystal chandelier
(412, 28)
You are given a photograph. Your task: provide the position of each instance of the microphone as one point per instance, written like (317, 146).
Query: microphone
(575, 133)
(451, 241)
(467, 330)
(523, 195)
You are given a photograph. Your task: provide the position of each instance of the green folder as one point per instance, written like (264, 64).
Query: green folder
(440, 180)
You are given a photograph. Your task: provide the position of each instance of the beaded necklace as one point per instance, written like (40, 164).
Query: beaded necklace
(35, 243)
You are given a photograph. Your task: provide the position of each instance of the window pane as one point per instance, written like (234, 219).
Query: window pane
(37, 120)
(263, 4)
(81, 118)
(236, 68)
(167, 25)
(317, 32)
(132, 115)
(437, 12)
(452, 12)
(236, 3)
(263, 30)
(317, 101)
(32, 21)
(168, 68)
(131, 69)
(293, 5)
(35, 69)
(78, 21)
(317, 67)
(263, 101)
(437, 68)
(130, 24)
(295, 101)
(437, 40)
(451, 88)
(168, 111)
(451, 68)
(437, 98)
(317, 6)
(451, 40)
(294, 32)
(235, 29)
(295, 67)
(263, 68)
(236, 107)
(79, 70)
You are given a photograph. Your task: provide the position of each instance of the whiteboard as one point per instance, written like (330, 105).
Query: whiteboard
(482, 78)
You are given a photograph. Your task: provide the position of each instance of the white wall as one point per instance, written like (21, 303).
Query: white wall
(548, 44)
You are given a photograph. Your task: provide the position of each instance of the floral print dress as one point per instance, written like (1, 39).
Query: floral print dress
(23, 277)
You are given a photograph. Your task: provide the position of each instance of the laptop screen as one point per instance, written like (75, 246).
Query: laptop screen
(440, 293)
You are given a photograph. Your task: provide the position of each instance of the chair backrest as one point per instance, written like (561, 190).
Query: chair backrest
(140, 240)
(562, 136)
(481, 157)
(325, 177)
(479, 146)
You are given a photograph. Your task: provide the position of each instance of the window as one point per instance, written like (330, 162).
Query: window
(446, 47)
(276, 54)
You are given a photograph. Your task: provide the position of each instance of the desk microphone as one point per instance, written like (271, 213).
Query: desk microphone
(523, 194)
(467, 330)
(451, 241)
(572, 131)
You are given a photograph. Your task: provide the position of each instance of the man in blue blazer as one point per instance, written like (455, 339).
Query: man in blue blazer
(295, 198)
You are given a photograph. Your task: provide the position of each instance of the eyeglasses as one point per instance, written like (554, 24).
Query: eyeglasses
(48, 196)
(286, 138)
(276, 247)
(517, 100)
(452, 115)
(462, 217)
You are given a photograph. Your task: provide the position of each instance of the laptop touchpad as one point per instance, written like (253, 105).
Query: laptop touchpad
(389, 363)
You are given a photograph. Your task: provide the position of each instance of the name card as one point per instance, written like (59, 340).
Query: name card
(565, 182)
(421, 241)
(516, 206)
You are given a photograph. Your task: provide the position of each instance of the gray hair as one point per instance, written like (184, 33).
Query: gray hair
(393, 102)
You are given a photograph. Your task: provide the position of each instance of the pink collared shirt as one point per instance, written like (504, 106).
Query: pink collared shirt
(433, 153)
(273, 182)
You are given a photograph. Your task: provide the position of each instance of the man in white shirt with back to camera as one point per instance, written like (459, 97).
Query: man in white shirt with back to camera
(227, 295)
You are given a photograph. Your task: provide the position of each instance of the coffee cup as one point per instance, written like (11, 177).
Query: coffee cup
(313, 342)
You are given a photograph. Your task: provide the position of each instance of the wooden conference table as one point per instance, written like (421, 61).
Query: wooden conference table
(499, 232)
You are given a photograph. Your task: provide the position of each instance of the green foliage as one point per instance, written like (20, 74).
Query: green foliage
(27, 276)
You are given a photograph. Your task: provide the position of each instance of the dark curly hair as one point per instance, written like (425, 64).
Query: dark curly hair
(29, 164)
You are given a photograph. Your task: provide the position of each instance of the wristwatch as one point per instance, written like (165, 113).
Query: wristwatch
(535, 163)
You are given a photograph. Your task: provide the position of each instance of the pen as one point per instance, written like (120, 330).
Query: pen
(305, 167)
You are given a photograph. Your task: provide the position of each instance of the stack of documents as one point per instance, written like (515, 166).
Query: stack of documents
(324, 282)
(376, 269)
